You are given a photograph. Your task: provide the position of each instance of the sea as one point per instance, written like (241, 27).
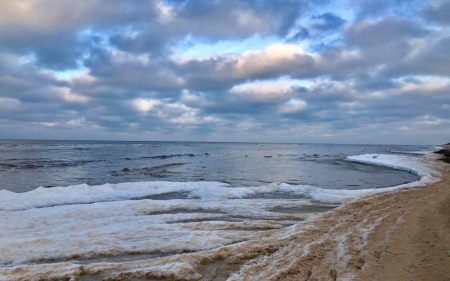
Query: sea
(97, 202)
(26, 165)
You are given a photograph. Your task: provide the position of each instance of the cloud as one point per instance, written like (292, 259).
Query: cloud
(145, 105)
(388, 30)
(263, 91)
(69, 96)
(223, 72)
(318, 71)
(9, 104)
(427, 57)
(293, 106)
(438, 12)
(430, 121)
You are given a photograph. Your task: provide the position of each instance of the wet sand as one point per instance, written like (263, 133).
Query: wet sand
(398, 235)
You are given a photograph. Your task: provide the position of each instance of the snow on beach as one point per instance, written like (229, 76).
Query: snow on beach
(59, 228)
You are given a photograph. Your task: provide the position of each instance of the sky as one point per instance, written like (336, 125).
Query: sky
(360, 71)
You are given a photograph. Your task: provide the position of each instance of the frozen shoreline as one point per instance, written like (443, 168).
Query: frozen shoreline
(225, 221)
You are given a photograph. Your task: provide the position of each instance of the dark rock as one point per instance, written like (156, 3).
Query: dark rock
(125, 170)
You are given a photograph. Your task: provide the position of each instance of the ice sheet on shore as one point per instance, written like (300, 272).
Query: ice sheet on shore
(84, 222)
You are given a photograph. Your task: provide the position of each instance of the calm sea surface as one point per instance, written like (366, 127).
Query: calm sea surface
(26, 165)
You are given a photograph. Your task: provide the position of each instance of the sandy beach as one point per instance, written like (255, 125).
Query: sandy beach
(410, 242)
(419, 248)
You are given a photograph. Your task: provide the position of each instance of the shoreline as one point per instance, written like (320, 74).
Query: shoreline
(395, 235)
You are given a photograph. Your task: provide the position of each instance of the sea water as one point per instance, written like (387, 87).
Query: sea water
(91, 201)
(26, 165)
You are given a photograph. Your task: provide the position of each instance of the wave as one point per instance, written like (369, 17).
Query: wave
(32, 164)
(163, 156)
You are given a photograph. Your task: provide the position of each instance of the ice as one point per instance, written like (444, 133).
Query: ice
(86, 231)
(83, 194)
(399, 162)
(87, 223)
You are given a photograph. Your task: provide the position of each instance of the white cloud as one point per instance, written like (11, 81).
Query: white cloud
(293, 106)
(274, 56)
(263, 91)
(191, 118)
(67, 95)
(145, 105)
(426, 85)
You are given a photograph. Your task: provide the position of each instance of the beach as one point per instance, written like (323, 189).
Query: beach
(396, 233)
(410, 242)
(225, 140)
(401, 235)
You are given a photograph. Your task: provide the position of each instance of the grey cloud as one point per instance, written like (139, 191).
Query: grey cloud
(218, 73)
(211, 20)
(51, 30)
(439, 13)
(388, 30)
(376, 83)
(432, 60)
